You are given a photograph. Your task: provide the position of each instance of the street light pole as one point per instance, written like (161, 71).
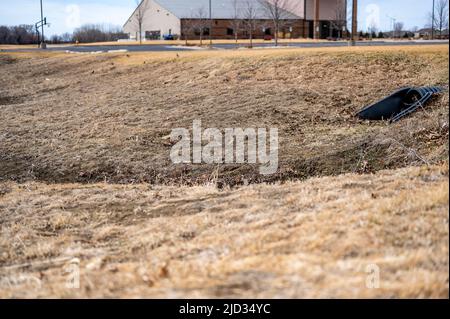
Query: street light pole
(42, 27)
(210, 23)
(354, 21)
(432, 22)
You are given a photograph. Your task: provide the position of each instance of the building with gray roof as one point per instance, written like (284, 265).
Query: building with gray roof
(158, 19)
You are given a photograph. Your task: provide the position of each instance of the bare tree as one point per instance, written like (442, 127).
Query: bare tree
(236, 21)
(4, 34)
(142, 6)
(373, 30)
(280, 12)
(440, 16)
(250, 15)
(187, 27)
(66, 37)
(398, 28)
(201, 23)
(55, 39)
(339, 21)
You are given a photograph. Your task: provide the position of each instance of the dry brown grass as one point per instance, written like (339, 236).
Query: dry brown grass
(297, 240)
(67, 121)
(138, 58)
(17, 46)
(72, 118)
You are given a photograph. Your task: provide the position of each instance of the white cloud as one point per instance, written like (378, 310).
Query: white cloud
(73, 19)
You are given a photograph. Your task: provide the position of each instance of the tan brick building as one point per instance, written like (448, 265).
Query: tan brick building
(187, 18)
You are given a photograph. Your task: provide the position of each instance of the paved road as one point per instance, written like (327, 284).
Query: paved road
(334, 44)
(109, 48)
(168, 47)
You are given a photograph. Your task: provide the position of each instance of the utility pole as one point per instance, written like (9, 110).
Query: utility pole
(210, 23)
(432, 22)
(354, 21)
(394, 32)
(393, 22)
(43, 46)
(316, 19)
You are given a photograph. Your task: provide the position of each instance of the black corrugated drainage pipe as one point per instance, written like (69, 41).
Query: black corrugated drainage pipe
(400, 104)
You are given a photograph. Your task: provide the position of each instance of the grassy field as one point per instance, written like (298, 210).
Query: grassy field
(163, 42)
(71, 118)
(297, 240)
(85, 173)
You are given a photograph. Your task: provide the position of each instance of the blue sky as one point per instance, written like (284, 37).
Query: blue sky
(65, 15)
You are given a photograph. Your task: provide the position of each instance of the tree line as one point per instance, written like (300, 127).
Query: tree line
(27, 34)
(21, 34)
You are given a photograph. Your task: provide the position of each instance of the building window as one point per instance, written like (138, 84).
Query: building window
(230, 31)
(153, 35)
(205, 31)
